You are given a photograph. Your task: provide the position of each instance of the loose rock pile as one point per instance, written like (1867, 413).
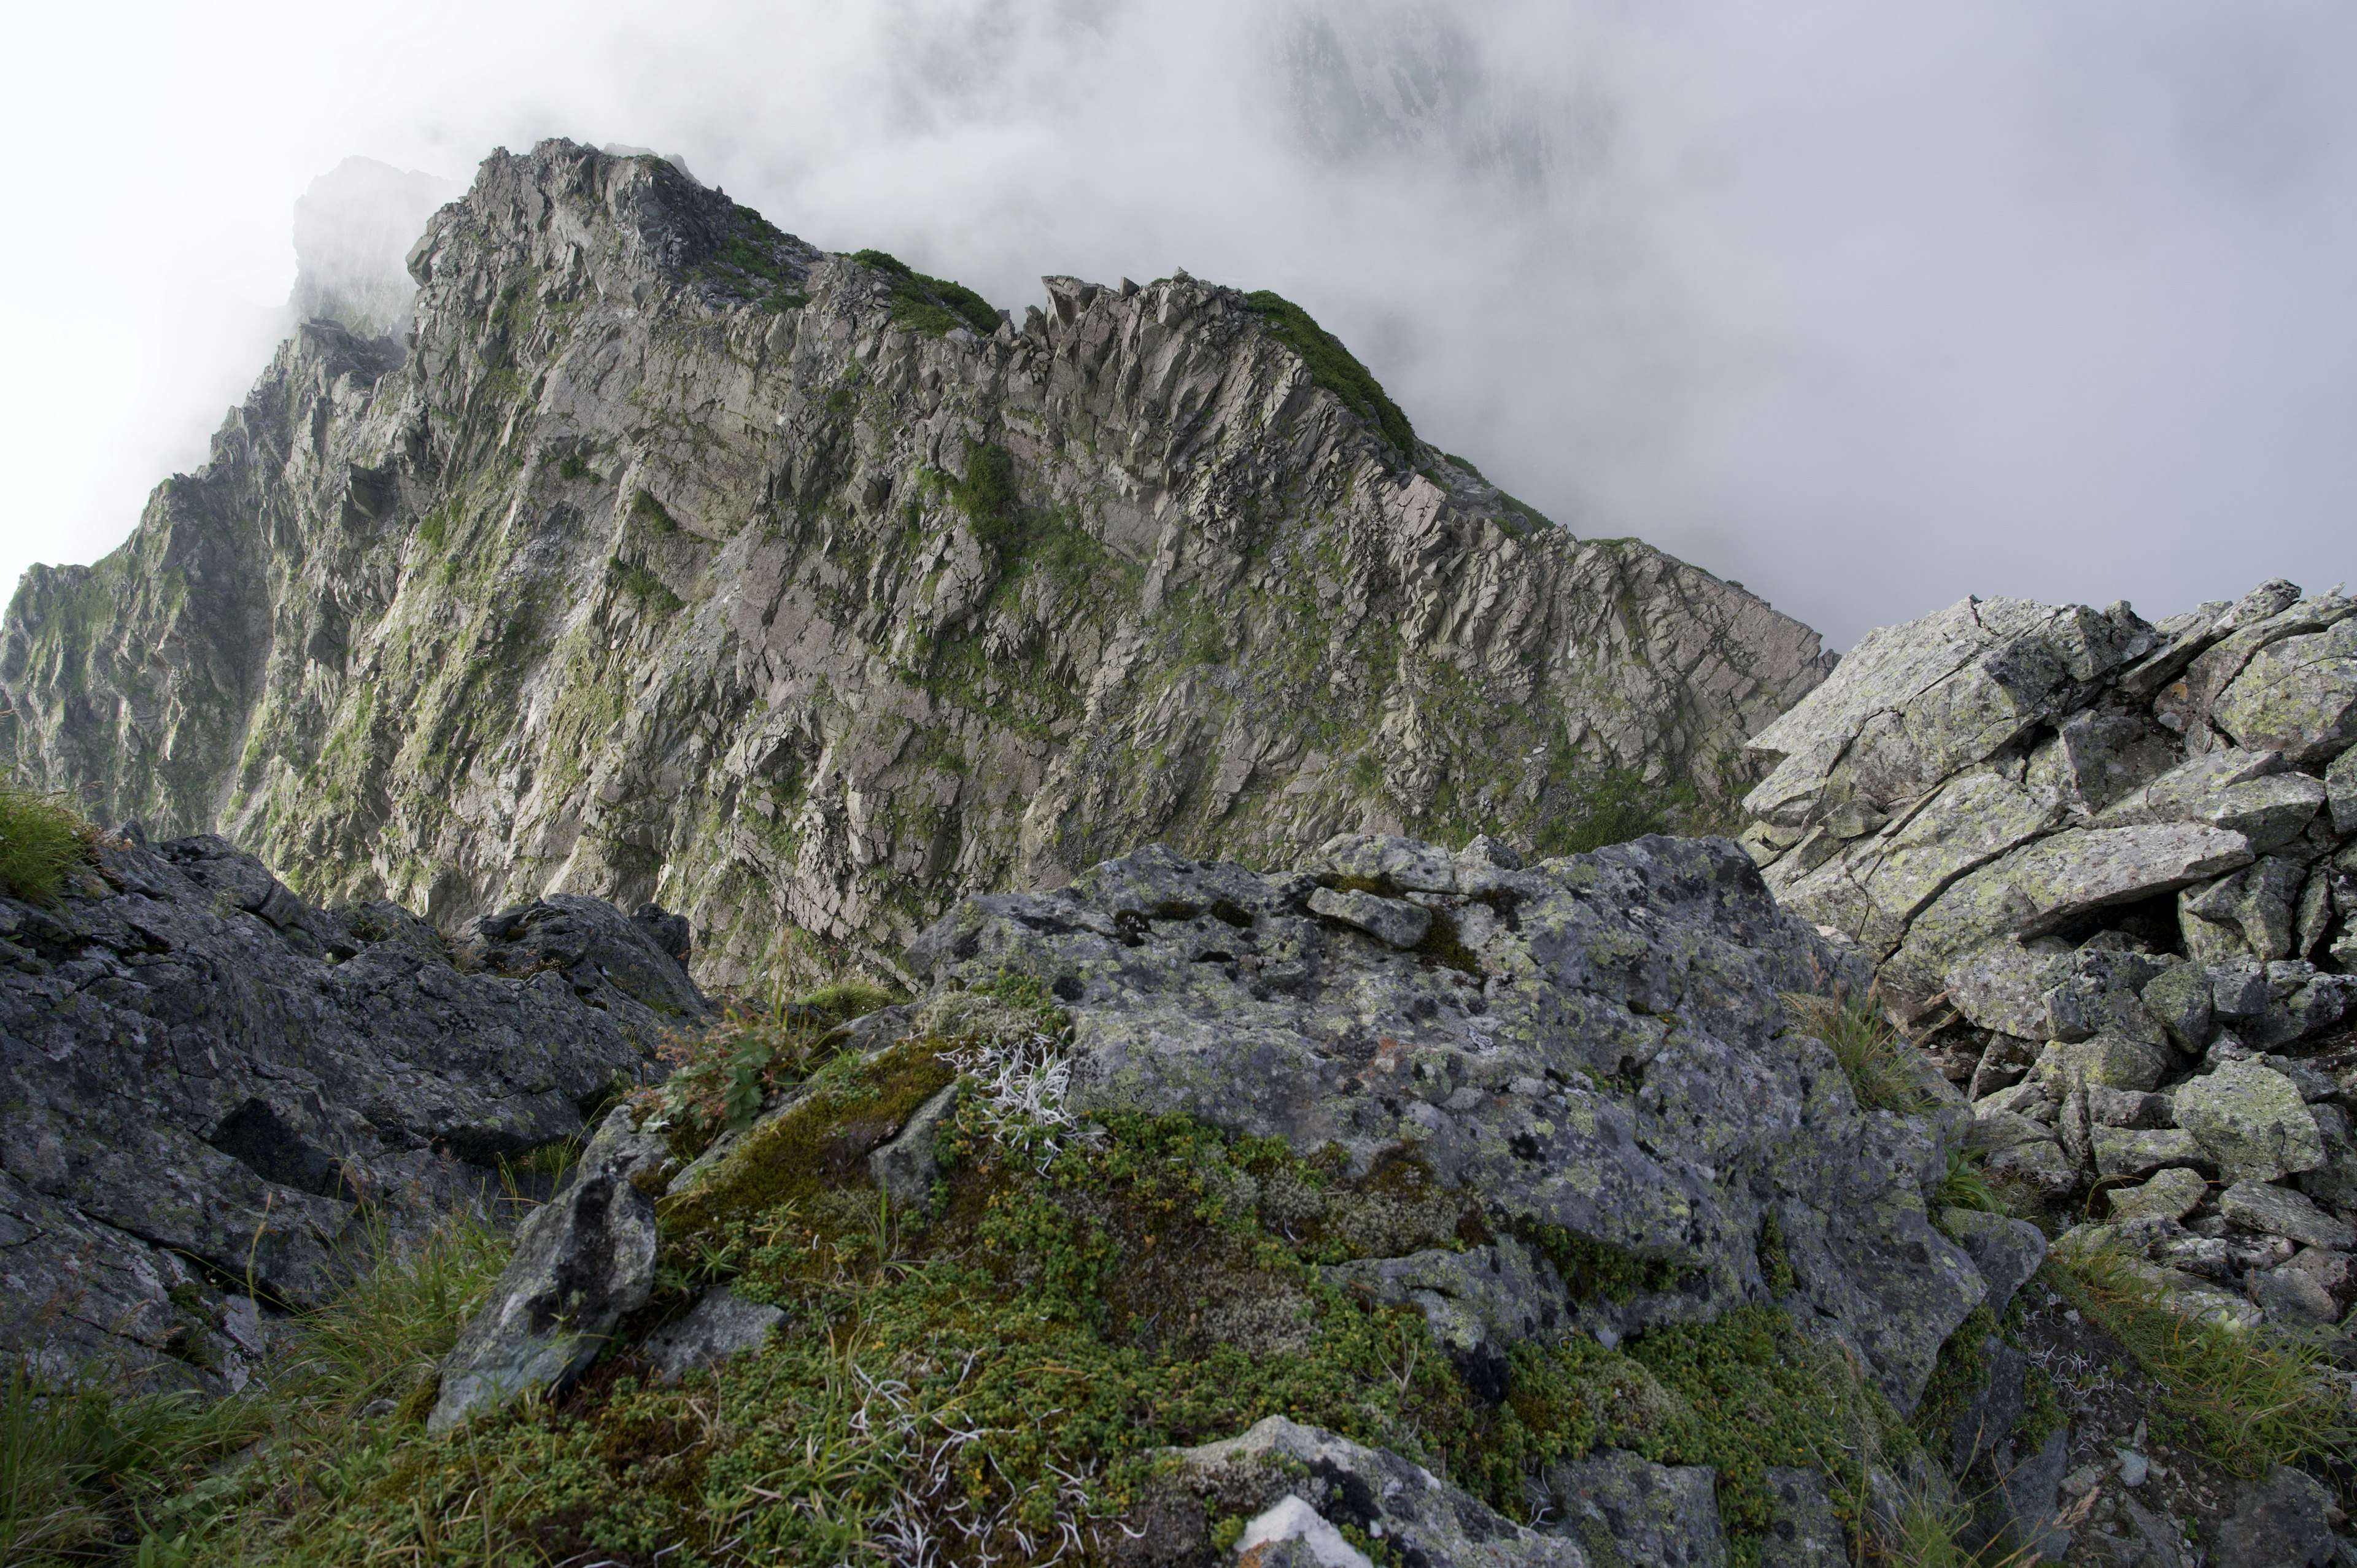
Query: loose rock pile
(2108, 873)
(208, 1081)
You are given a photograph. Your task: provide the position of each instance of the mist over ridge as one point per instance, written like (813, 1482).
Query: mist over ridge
(1867, 310)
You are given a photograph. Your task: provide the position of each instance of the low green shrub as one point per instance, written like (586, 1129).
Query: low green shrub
(1884, 1071)
(42, 838)
(2257, 1397)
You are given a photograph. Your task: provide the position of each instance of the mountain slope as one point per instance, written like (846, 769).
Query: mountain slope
(677, 559)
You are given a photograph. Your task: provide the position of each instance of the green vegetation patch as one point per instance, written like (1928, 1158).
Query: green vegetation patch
(746, 261)
(1884, 1072)
(2256, 1397)
(930, 305)
(1613, 808)
(43, 837)
(1334, 367)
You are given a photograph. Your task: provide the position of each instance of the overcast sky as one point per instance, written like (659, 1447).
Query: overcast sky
(1867, 305)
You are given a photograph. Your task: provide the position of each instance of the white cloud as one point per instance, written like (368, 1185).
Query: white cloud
(1867, 306)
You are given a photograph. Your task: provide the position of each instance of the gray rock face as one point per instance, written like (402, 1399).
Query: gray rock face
(2251, 1120)
(583, 1262)
(205, 1073)
(1624, 1507)
(1296, 1485)
(2116, 897)
(2006, 1251)
(720, 1325)
(1609, 1062)
(1804, 1533)
(2279, 1522)
(765, 602)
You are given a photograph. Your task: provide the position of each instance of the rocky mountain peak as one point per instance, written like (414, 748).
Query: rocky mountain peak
(680, 560)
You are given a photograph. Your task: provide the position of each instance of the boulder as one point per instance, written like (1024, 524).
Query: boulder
(1872, 890)
(2017, 1515)
(2273, 1210)
(1478, 1303)
(2125, 1152)
(1612, 1058)
(1297, 1484)
(720, 1325)
(1391, 921)
(2250, 913)
(2007, 985)
(2184, 793)
(2108, 1061)
(2178, 998)
(2251, 1121)
(2296, 695)
(2341, 792)
(1804, 1531)
(904, 1168)
(1910, 705)
(581, 1263)
(2171, 1194)
(2005, 1250)
(1622, 1507)
(2281, 1520)
(2044, 885)
(209, 1077)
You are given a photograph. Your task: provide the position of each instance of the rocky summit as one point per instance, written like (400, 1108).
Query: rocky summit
(671, 558)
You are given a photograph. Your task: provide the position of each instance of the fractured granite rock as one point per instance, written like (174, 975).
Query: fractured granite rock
(208, 1076)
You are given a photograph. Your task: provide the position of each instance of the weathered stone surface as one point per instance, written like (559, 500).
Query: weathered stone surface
(2006, 986)
(2341, 791)
(1873, 890)
(2109, 1061)
(2005, 1250)
(1803, 1531)
(2185, 793)
(1334, 1482)
(1613, 1068)
(2298, 695)
(2170, 1195)
(634, 576)
(583, 1262)
(2280, 1521)
(1391, 921)
(904, 1169)
(2125, 1152)
(2279, 1211)
(2251, 913)
(205, 1073)
(2179, 999)
(2127, 1108)
(1910, 705)
(2019, 1514)
(2187, 706)
(2043, 886)
(720, 1325)
(2252, 1120)
(1479, 1301)
(1624, 1507)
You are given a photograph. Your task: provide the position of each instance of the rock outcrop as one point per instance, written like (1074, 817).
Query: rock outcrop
(1565, 1109)
(671, 558)
(1594, 1050)
(207, 1079)
(2108, 871)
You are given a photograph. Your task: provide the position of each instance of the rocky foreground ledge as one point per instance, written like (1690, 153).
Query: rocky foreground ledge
(208, 1081)
(1567, 1115)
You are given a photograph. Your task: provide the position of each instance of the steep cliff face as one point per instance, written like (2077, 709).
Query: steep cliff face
(675, 558)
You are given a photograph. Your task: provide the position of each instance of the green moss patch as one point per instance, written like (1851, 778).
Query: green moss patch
(1334, 367)
(930, 304)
